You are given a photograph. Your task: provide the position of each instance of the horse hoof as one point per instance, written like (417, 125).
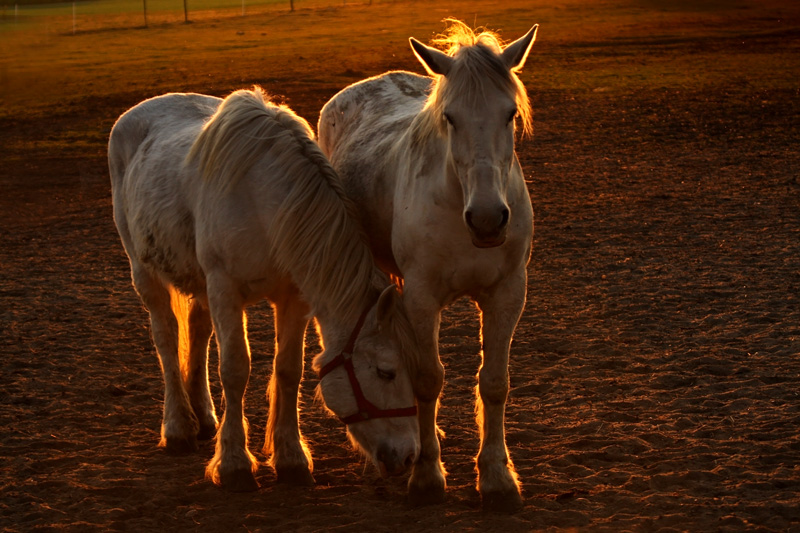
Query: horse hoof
(501, 502)
(298, 476)
(181, 446)
(207, 432)
(422, 496)
(239, 481)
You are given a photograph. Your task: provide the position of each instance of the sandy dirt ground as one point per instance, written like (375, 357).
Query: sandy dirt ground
(655, 373)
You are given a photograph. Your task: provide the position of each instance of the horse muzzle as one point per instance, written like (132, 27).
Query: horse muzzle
(392, 462)
(487, 226)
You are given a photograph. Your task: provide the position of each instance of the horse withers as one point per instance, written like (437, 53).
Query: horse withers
(430, 162)
(219, 204)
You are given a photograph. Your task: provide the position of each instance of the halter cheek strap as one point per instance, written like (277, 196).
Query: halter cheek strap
(366, 409)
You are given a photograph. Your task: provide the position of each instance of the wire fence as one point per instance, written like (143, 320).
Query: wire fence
(95, 15)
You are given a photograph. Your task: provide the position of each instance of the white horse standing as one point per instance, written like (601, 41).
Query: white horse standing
(430, 162)
(220, 204)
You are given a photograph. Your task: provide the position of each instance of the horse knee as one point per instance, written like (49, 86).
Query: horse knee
(286, 376)
(493, 388)
(429, 382)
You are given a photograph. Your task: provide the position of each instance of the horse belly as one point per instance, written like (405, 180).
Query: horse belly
(170, 252)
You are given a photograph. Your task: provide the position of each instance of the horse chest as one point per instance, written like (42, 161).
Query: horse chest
(442, 256)
(466, 274)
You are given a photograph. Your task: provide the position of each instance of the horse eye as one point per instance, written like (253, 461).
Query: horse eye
(449, 119)
(387, 375)
(512, 116)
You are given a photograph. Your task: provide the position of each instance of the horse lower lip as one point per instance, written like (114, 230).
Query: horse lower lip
(488, 243)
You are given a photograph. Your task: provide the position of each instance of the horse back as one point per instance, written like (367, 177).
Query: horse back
(155, 118)
(374, 109)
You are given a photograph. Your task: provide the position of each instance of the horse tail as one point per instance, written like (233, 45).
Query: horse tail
(180, 308)
(127, 134)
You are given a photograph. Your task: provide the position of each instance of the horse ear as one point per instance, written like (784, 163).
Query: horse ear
(516, 53)
(386, 302)
(434, 61)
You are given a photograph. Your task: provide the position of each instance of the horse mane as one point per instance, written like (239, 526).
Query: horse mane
(478, 67)
(316, 237)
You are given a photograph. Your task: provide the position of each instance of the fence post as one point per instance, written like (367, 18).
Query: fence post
(185, 12)
(144, 6)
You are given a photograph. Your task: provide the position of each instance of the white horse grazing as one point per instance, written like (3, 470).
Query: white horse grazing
(220, 204)
(430, 163)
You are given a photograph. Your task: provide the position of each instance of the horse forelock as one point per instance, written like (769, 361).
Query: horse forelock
(458, 35)
(478, 70)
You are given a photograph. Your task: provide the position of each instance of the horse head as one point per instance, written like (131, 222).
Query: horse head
(367, 385)
(474, 103)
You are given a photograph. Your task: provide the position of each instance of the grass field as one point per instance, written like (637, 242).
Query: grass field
(594, 46)
(92, 15)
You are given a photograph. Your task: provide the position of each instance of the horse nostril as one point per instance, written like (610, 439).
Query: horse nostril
(409, 462)
(468, 218)
(504, 214)
(383, 454)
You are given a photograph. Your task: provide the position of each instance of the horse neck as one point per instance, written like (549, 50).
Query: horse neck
(335, 328)
(317, 239)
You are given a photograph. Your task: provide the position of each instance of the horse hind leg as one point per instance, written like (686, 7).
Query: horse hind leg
(194, 321)
(288, 452)
(179, 426)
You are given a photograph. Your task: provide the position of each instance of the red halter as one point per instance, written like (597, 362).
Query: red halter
(366, 409)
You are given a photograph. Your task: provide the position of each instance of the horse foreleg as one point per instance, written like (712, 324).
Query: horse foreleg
(500, 312)
(427, 482)
(233, 466)
(200, 330)
(179, 426)
(289, 455)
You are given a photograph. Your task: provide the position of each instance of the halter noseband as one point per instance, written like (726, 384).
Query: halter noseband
(366, 409)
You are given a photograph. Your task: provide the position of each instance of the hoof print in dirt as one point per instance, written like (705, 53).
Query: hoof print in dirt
(501, 502)
(239, 481)
(428, 496)
(297, 476)
(183, 446)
